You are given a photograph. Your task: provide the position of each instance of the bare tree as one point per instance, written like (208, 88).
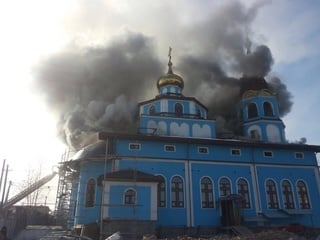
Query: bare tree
(33, 175)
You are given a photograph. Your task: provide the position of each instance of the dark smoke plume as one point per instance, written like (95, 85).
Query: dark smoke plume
(220, 93)
(283, 95)
(227, 50)
(97, 88)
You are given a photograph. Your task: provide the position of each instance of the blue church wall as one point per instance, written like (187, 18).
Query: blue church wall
(185, 151)
(91, 170)
(151, 149)
(205, 154)
(201, 216)
(139, 211)
(172, 217)
(222, 153)
(233, 171)
(215, 172)
(218, 163)
(155, 166)
(293, 175)
(280, 156)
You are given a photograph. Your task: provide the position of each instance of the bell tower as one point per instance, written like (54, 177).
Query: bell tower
(259, 111)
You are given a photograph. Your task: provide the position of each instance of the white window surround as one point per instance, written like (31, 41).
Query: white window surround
(299, 155)
(169, 148)
(133, 199)
(203, 150)
(134, 146)
(268, 153)
(235, 151)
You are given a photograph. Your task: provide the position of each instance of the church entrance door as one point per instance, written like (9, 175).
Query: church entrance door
(230, 210)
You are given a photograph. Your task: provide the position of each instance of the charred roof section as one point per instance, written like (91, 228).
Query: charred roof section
(252, 83)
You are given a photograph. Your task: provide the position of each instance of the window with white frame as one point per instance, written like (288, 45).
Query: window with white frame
(90, 193)
(224, 187)
(287, 195)
(178, 109)
(267, 153)
(134, 146)
(272, 196)
(130, 197)
(203, 150)
(243, 191)
(152, 110)
(161, 191)
(169, 148)
(299, 155)
(303, 195)
(252, 110)
(267, 109)
(177, 192)
(207, 200)
(235, 152)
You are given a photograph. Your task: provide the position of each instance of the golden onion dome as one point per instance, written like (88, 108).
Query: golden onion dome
(170, 78)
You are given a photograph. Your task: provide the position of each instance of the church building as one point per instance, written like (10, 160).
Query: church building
(175, 176)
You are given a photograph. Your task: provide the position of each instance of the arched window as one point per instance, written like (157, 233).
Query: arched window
(178, 109)
(152, 110)
(130, 197)
(177, 193)
(272, 197)
(267, 109)
(252, 110)
(303, 195)
(224, 187)
(90, 192)
(206, 193)
(287, 195)
(161, 192)
(243, 191)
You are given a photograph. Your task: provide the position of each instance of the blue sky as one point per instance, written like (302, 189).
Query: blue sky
(302, 80)
(34, 29)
